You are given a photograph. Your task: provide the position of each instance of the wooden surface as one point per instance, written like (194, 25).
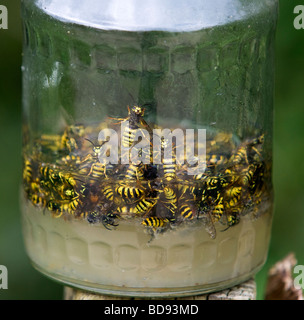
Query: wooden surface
(244, 291)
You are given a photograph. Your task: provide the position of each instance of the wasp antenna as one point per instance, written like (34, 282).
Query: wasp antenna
(90, 141)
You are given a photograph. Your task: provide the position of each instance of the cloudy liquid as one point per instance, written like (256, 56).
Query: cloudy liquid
(128, 261)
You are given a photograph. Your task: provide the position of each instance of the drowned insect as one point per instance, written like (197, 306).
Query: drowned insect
(155, 222)
(27, 170)
(71, 138)
(186, 211)
(244, 154)
(145, 205)
(129, 194)
(135, 172)
(132, 124)
(107, 220)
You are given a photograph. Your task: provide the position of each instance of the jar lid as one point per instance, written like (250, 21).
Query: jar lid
(147, 15)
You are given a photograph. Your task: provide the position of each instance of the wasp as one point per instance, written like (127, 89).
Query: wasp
(232, 196)
(155, 222)
(170, 200)
(93, 157)
(98, 170)
(186, 211)
(70, 138)
(129, 194)
(35, 186)
(212, 189)
(233, 218)
(108, 192)
(216, 159)
(169, 163)
(169, 167)
(108, 220)
(91, 193)
(63, 206)
(27, 170)
(135, 172)
(240, 155)
(244, 150)
(135, 122)
(218, 210)
(247, 175)
(48, 173)
(144, 206)
(70, 160)
(65, 192)
(38, 200)
(126, 211)
(50, 142)
(72, 205)
(56, 208)
(55, 176)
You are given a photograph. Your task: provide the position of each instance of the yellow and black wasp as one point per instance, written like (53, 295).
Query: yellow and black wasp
(38, 200)
(108, 192)
(126, 211)
(27, 170)
(155, 222)
(186, 211)
(169, 199)
(59, 207)
(56, 209)
(71, 160)
(129, 194)
(107, 219)
(71, 138)
(145, 205)
(55, 176)
(135, 122)
(232, 196)
(132, 126)
(135, 172)
(247, 151)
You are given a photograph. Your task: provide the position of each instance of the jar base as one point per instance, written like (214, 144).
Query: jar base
(149, 292)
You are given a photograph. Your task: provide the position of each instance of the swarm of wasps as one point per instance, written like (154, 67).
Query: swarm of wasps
(63, 175)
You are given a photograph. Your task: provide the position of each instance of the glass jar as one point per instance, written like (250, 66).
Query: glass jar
(148, 143)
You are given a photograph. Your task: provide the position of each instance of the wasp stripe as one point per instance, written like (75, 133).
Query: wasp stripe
(186, 212)
(108, 192)
(155, 222)
(144, 205)
(135, 172)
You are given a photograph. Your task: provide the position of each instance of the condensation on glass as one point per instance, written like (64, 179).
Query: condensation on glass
(148, 228)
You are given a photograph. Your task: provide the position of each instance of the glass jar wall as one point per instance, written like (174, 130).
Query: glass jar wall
(101, 79)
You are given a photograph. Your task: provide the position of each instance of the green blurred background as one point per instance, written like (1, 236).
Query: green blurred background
(287, 236)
